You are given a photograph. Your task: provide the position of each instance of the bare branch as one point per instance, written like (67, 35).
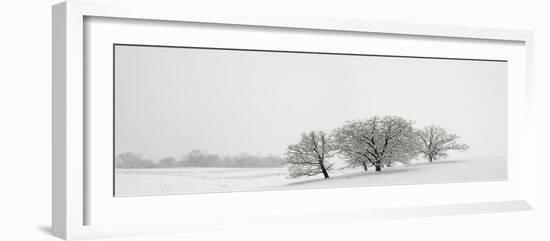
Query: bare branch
(434, 142)
(309, 156)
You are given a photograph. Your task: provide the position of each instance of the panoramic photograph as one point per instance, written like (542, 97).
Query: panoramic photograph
(206, 120)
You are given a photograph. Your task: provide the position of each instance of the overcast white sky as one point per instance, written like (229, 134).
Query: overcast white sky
(170, 101)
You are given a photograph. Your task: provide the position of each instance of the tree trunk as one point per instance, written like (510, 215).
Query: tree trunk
(364, 166)
(430, 158)
(378, 167)
(323, 169)
(325, 173)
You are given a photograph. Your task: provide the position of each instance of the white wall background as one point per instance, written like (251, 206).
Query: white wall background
(25, 120)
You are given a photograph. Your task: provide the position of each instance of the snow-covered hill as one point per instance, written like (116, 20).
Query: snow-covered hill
(134, 182)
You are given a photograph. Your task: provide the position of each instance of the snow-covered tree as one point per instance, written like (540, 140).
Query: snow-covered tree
(309, 156)
(376, 141)
(433, 142)
(402, 150)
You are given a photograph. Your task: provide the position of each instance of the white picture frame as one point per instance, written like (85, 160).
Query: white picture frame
(75, 190)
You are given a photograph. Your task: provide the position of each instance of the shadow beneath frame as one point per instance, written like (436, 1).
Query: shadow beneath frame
(46, 229)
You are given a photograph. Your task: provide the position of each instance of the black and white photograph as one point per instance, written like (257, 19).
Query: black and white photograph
(207, 120)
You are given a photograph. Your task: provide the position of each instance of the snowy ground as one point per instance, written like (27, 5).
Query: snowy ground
(135, 182)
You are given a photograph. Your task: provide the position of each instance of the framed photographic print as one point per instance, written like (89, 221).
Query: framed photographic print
(280, 120)
(199, 121)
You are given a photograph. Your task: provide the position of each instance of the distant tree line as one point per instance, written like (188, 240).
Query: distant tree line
(198, 158)
(375, 142)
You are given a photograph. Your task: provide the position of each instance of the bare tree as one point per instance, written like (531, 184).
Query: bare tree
(127, 159)
(166, 162)
(309, 156)
(198, 158)
(434, 142)
(132, 160)
(375, 141)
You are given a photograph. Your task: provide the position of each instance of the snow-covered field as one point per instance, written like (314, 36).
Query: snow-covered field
(135, 182)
